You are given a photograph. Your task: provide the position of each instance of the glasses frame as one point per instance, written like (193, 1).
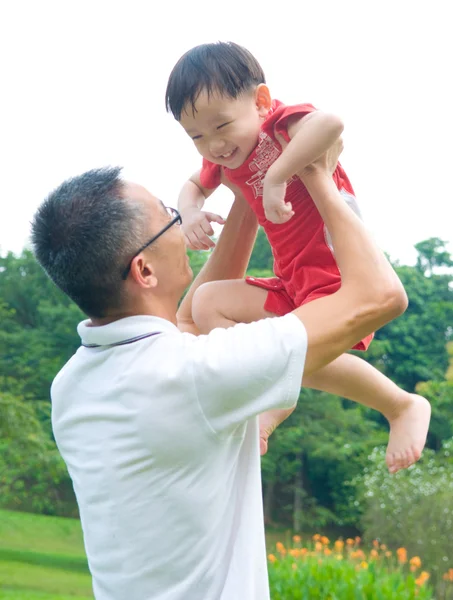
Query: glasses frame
(176, 218)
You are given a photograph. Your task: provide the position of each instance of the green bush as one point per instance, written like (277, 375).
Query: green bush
(414, 509)
(344, 572)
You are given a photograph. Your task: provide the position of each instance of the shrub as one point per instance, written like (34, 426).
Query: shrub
(344, 571)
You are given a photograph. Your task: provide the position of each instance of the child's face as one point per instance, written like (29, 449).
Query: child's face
(225, 130)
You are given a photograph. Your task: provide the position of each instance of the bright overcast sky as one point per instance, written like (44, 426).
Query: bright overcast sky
(83, 86)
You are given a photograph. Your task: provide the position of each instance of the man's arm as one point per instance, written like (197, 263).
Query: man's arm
(371, 294)
(228, 260)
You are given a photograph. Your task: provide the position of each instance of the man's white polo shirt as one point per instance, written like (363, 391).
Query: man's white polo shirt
(160, 436)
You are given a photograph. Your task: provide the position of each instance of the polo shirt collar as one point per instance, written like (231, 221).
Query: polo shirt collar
(123, 329)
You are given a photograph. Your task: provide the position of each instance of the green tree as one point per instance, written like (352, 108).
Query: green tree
(324, 442)
(440, 395)
(432, 253)
(33, 477)
(262, 258)
(413, 348)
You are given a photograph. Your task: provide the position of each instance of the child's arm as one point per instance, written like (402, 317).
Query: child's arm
(311, 136)
(228, 260)
(196, 223)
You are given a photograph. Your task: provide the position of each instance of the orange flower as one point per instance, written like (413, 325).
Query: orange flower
(339, 545)
(294, 552)
(327, 551)
(318, 546)
(422, 578)
(448, 576)
(272, 558)
(357, 539)
(383, 547)
(297, 539)
(316, 537)
(325, 540)
(375, 544)
(415, 563)
(303, 551)
(402, 555)
(358, 554)
(280, 548)
(350, 542)
(388, 554)
(374, 553)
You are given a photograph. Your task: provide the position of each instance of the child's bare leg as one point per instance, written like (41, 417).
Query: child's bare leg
(225, 303)
(408, 414)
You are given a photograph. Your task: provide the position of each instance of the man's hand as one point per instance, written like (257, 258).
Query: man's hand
(275, 208)
(196, 226)
(269, 421)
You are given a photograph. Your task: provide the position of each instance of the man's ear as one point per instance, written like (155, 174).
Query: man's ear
(142, 272)
(263, 99)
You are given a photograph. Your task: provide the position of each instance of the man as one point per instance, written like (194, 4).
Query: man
(158, 426)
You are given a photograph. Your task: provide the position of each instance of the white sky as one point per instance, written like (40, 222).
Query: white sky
(83, 83)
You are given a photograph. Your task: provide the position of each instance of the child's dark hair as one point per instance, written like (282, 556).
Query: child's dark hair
(223, 67)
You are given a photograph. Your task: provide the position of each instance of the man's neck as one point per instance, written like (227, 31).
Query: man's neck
(163, 310)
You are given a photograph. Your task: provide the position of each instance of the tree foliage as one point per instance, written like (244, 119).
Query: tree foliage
(314, 458)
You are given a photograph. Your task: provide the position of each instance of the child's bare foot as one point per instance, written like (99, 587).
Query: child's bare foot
(408, 431)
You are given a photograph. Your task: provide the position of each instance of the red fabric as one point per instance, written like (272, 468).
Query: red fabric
(303, 262)
(280, 303)
(210, 175)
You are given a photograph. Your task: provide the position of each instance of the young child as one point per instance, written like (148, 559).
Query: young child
(257, 147)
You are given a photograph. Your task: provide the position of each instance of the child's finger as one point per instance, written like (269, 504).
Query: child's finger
(203, 239)
(206, 227)
(216, 218)
(195, 243)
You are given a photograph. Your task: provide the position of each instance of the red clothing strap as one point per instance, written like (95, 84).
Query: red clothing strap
(278, 120)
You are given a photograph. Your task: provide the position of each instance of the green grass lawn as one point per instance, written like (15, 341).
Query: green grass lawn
(42, 558)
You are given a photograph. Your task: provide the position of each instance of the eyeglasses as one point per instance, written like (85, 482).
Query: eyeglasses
(175, 218)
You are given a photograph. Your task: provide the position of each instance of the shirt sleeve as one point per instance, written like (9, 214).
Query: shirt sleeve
(278, 121)
(248, 369)
(210, 175)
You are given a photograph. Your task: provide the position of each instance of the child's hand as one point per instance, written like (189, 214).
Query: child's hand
(196, 226)
(275, 208)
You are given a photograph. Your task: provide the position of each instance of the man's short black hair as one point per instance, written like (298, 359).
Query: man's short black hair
(83, 235)
(223, 67)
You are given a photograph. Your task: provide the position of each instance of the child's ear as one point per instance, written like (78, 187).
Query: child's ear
(263, 99)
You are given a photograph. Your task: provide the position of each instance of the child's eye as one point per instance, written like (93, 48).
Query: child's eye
(196, 137)
(224, 125)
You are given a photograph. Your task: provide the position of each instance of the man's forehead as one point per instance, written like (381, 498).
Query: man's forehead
(137, 192)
